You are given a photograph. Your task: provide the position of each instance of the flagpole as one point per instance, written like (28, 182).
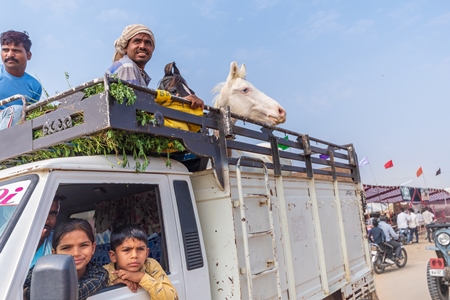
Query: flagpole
(424, 181)
(365, 161)
(445, 198)
(423, 175)
(378, 189)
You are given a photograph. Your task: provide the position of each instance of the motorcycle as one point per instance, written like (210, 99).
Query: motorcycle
(380, 255)
(438, 269)
(403, 236)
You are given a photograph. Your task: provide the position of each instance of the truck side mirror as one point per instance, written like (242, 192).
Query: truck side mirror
(54, 277)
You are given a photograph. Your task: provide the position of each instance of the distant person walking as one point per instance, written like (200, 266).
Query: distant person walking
(402, 222)
(428, 218)
(413, 224)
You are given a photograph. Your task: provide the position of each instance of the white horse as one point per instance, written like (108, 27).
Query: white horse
(246, 100)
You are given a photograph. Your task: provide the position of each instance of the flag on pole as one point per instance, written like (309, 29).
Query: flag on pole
(364, 161)
(389, 164)
(438, 172)
(419, 172)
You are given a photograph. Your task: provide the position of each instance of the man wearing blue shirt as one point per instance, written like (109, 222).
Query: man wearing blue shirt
(13, 78)
(390, 235)
(45, 242)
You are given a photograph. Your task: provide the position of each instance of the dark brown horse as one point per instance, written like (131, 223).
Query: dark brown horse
(174, 82)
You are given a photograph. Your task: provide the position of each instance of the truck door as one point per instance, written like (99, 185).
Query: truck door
(110, 199)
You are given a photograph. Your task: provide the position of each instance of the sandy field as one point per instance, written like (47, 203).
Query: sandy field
(410, 282)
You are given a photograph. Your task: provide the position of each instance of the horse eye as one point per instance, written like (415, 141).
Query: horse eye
(173, 90)
(245, 90)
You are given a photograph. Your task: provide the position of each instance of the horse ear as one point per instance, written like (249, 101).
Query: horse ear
(234, 69)
(175, 69)
(168, 69)
(242, 71)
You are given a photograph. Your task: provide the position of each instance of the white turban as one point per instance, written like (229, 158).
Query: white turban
(127, 34)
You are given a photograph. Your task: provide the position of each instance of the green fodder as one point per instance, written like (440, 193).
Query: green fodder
(108, 141)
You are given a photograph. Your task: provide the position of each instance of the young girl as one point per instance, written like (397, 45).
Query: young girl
(75, 237)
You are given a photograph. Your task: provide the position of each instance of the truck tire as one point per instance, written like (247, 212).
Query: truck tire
(437, 289)
(378, 266)
(404, 258)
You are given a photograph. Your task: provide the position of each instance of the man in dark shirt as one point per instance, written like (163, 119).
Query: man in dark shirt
(376, 234)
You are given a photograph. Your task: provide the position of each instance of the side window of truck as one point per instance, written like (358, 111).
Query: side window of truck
(14, 195)
(107, 206)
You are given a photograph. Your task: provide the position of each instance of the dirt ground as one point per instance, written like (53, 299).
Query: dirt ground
(410, 282)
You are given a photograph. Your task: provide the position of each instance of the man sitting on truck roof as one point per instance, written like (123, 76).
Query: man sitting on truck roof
(45, 243)
(13, 78)
(134, 48)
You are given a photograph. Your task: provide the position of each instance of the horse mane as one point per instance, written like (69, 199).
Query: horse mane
(216, 90)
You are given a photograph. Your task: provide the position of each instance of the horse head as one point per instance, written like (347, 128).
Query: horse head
(246, 100)
(174, 82)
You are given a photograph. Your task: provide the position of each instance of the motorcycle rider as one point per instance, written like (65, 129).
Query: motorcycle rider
(376, 234)
(391, 236)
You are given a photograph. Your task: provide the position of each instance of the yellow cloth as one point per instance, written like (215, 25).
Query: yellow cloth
(127, 34)
(164, 100)
(155, 281)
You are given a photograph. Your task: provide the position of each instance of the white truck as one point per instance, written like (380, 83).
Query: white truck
(247, 228)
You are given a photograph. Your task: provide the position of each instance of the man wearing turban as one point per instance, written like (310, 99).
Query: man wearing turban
(134, 48)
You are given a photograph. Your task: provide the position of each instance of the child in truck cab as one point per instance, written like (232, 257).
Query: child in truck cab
(75, 237)
(131, 265)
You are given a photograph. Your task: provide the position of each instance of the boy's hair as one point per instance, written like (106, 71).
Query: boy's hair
(375, 223)
(17, 38)
(123, 232)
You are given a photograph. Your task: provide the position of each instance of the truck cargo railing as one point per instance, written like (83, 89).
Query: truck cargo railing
(286, 150)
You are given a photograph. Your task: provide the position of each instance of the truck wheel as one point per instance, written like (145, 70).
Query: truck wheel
(378, 266)
(438, 290)
(404, 258)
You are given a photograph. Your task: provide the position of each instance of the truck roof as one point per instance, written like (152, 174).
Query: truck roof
(107, 163)
(280, 149)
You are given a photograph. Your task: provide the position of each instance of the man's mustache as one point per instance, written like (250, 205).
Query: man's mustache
(11, 58)
(142, 50)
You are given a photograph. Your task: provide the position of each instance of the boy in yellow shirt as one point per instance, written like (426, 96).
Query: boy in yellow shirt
(131, 265)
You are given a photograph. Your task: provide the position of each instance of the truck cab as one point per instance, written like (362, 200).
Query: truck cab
(96, 189)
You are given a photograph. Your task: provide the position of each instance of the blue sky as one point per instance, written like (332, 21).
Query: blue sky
(372, 73)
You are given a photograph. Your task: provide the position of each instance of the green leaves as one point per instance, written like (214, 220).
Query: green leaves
(110, 141)
(121, 92)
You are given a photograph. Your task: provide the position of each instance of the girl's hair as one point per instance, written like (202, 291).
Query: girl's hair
(70, 225)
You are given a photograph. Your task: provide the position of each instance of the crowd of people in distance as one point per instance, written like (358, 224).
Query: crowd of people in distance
(407, 222)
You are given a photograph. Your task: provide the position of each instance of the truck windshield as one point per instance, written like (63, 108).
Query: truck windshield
(11, 194)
